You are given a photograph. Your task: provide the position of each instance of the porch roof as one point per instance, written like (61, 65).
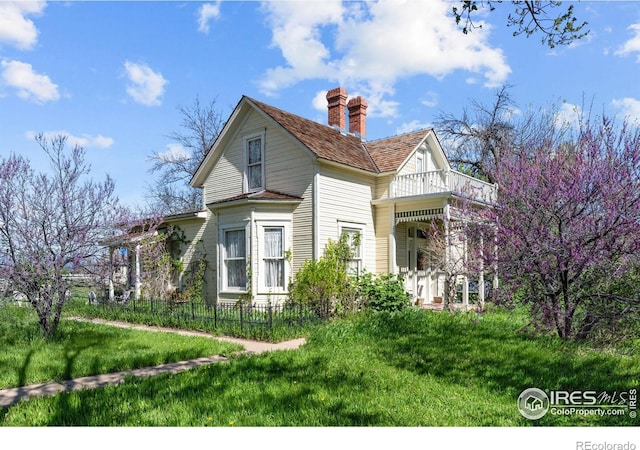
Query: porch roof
(261, 196)
(419, 215)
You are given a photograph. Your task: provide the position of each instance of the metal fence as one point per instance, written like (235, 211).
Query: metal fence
(237, 318)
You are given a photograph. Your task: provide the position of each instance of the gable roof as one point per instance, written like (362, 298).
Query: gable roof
(389, 153)
(325, 142)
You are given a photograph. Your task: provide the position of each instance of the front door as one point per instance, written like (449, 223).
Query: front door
(418, 273)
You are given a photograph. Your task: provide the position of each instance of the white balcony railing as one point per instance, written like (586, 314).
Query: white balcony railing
(439, 181)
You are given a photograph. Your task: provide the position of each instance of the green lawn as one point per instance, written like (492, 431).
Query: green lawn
(81, 349)
(411, 369)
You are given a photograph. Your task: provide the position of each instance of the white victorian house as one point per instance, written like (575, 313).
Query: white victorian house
(277, 187)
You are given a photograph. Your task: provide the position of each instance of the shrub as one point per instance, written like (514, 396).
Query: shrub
(325, 284)
(384, 293)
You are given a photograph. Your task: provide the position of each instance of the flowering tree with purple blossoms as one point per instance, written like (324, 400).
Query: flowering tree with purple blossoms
(567, 225)
(52, 222)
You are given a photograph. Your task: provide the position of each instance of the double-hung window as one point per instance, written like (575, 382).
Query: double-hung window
(354, 239)
(255, 163)
(273, 258)
(235, 259)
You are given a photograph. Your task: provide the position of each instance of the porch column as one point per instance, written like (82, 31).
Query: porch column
(481, 275)
(447, 258)
(495, 267)
(465, 292)
(111, 288)
(393, 268)
(138, 283)
(428, 295)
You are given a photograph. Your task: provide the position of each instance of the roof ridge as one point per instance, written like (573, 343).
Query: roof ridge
(420, 130)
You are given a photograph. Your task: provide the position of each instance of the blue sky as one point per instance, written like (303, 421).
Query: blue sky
(111, 75)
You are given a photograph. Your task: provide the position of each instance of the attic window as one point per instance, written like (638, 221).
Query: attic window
(255, 158)
(421, 165)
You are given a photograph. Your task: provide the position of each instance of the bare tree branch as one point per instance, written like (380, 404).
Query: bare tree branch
(200, 127)
(528, 17)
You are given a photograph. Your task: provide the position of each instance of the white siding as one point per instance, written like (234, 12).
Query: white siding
(382, 230)
(289, 169)
(431, 162)
(200, 240)
(345, 196)
(383, 186)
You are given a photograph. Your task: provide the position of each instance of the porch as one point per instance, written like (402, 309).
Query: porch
(430, 260)
(443, 181)
(429, 249)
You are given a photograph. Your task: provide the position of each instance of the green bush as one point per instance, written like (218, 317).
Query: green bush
(384, 293)
(325, 285)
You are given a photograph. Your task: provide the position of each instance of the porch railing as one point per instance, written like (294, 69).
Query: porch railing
(440, 181)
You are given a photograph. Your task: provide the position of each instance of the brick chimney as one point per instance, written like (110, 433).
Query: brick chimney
(337, 102)
(358, 116)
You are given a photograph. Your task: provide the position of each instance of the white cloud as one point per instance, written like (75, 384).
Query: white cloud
(430, 99)
(15, 28)
(296, 31)
(174, 153)
(629, 107)
(414, 125)
(369, 46)
(207, 12)
(568, 115)
(633, 44)
(85, 140)
(145, 86)
(29, 85)
(319, 101)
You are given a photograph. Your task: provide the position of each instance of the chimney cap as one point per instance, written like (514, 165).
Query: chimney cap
(337, 102)
(337, 92)
(357, 116)
(357, 101)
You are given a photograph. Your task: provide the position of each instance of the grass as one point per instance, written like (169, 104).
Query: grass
(410, 369)
(81, 349)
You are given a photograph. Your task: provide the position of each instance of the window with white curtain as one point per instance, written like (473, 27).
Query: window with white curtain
(235, 259)
(255, 175)
(273, 259)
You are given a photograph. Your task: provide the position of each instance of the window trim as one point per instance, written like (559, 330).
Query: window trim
(224, 279)
(360, 228)
(246, 140)
(263, 225)
(421, 165)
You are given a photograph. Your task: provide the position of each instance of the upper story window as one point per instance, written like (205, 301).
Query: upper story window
(420, 162)
(254, 146)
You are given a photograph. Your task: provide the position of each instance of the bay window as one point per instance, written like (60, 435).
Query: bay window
(235, 259)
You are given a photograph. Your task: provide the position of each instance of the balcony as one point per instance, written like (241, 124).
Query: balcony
(443, 181)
